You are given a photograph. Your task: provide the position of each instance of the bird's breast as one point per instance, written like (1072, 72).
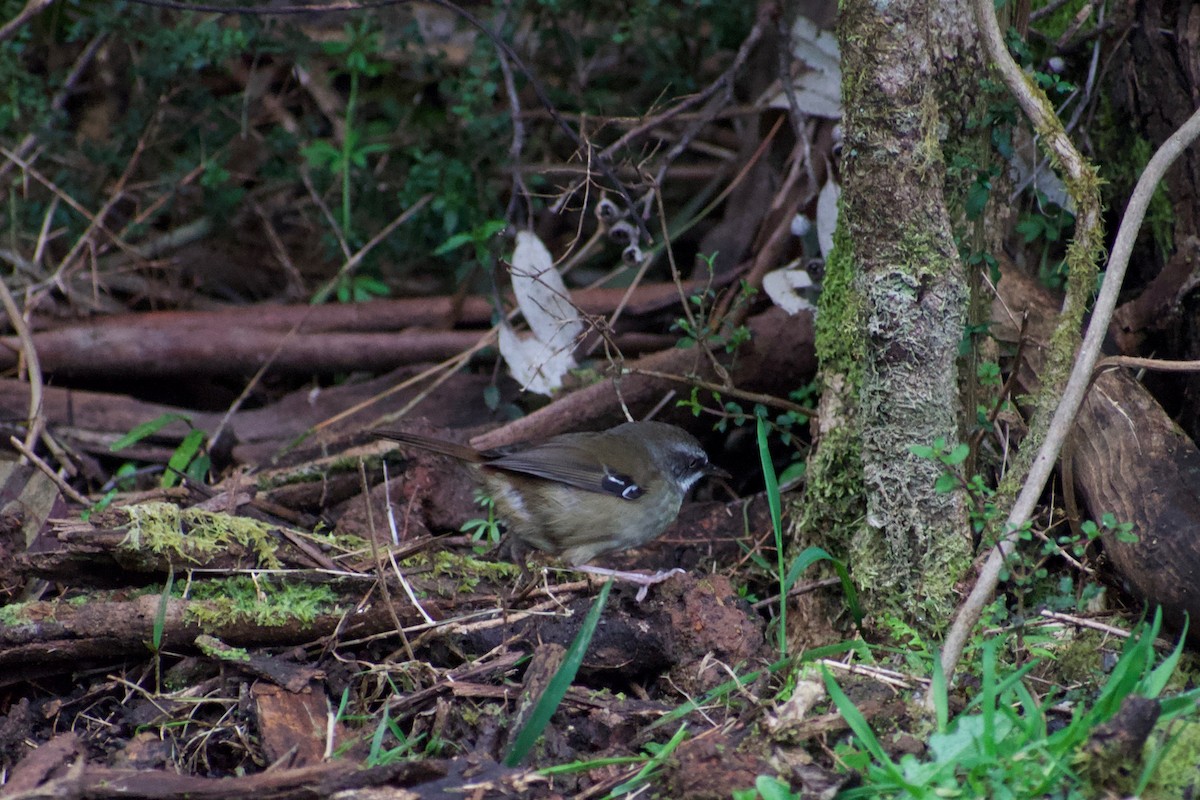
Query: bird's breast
(580, 525)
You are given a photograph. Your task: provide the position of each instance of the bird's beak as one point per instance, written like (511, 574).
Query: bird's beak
(714, 471)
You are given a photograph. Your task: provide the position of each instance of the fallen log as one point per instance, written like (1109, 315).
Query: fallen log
(1129, 459)
(300, 339)
(58, 769)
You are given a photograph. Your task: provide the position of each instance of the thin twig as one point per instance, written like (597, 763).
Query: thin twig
(354, 260)
(33, 368)
(62, 485)
(786, 60)
(380, 569)
(31, 10)
(724, 80)
(1153, 364)
(519, 190)
(66, 198)
(396, 537)
(732, 391)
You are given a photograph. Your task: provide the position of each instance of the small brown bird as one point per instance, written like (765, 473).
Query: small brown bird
(580, 495)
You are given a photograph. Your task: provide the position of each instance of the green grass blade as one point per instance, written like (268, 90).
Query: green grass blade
(643, 774)
(160, 617)
(375, 753)
(147, 429)
(937, 689)
(590, 764)
(772, 482)
(557, 688)
(720, 691)
(806, 559)
(862, 730)
(812, 555)
(776, 505)
(1157, 680)
(988, 695)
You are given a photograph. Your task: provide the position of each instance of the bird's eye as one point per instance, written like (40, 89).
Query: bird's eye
(697, 463)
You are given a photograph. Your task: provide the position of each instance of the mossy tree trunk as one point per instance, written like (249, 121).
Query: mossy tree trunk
(891, 326)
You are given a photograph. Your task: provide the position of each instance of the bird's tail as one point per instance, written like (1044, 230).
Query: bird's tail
(446, 448)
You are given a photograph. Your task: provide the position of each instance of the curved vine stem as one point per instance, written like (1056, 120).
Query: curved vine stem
(1078, 175)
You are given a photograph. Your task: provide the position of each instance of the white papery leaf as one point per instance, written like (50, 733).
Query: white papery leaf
(534, 364)
(816, 96)
(541, 294)
(827, 215)
(816, 47)
(783, 286)
(818, 89)
(539, 361)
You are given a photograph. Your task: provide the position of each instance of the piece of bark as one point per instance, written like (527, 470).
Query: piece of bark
(292, 724)
(302, 783)
(1131, 460)
(299, 340)
(287, 675)
(104, 351)
(1119, 742)
(27, 499)
(1157, 308)
(48, 761)
(543, 666)
(145, 751)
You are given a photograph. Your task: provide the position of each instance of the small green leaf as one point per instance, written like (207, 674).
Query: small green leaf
(957, 455)
(322, 154)
(774, 789)
(160, 615)
(491, 396)
(182, 456)
(453, 243)
(793, 472)
(946, 482)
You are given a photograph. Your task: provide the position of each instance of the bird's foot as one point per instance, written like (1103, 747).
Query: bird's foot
(643, 579)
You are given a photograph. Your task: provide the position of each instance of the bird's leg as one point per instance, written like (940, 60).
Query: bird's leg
(642, 579)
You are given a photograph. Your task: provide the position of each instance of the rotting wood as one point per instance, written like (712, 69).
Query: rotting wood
(65, 636)
(1129, 459)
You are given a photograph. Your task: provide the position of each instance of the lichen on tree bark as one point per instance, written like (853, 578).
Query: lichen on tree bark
(910, 286)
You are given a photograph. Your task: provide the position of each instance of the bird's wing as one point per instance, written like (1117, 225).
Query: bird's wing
(571, 463)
